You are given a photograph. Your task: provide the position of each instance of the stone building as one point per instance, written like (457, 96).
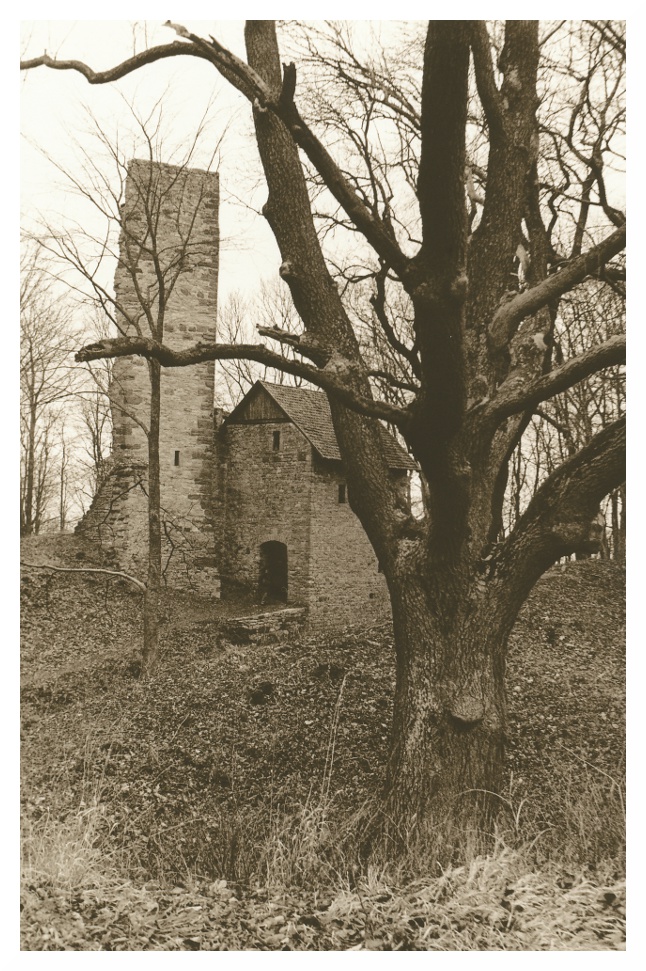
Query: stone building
(288, 533)
(254, 505)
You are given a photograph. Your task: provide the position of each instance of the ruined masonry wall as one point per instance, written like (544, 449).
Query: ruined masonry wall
(185, 202)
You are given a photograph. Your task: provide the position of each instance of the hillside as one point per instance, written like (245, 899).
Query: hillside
(192, 775)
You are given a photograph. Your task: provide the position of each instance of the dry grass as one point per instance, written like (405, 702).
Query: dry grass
(304, 885)
(309, 895)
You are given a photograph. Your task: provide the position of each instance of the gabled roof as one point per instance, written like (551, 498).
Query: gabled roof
(310, 412)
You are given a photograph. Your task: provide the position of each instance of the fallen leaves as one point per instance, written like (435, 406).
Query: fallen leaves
(193, 767)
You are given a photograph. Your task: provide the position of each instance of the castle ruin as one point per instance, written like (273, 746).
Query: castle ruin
(254, 504)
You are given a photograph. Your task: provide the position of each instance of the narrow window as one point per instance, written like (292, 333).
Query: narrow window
(177, 457)
(276, 441)
(342, 494)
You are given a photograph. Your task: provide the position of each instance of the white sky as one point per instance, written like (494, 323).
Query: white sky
(52, 114)
(53, 117)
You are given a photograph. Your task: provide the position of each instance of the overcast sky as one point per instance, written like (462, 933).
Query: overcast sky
(53, 116)
(53, 119)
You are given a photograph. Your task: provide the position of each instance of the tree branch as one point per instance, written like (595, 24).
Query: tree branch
(120, 70)
(488, 92)
(328, 381)
(78, 569)
(378, 302)
(299, 342)
(392, 380)
(513, 311)
(510, 401)
(561, 518)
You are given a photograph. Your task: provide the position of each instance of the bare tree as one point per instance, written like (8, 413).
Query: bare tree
(47, 382)
(482, 353)
(134, 203)
(96, 421)
(269, 310)
(564, 424)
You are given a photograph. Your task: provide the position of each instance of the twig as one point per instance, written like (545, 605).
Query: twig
(79, 569)
(329, 759)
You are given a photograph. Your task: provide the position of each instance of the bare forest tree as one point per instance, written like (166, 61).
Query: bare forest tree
(445, 165)
(561, 426)
(95, 417)
(131, 235)
(269, 310)
(47, 384)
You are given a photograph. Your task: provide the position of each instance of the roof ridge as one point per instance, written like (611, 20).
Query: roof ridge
(314, 421)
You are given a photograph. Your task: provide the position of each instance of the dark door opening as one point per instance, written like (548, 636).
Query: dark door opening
(272, 585)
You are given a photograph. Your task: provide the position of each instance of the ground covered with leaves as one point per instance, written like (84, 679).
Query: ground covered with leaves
(211, 806)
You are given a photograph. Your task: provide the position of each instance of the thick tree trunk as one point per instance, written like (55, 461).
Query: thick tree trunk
(446, 763)
(153, 584)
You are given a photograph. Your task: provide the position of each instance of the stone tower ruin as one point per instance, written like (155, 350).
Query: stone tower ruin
(165, 288)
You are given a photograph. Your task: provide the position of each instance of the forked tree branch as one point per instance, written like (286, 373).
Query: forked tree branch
(328, 381)
(512, 401)
(512, 312)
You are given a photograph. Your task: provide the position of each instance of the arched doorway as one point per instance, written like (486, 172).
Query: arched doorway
(272, 575)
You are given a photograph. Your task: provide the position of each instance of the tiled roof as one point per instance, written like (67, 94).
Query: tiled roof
(310, 411)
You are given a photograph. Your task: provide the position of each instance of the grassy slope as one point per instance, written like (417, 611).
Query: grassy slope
(188, 778)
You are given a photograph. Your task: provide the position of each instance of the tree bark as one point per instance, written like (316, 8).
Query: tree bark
(618, 506)
(446, 761)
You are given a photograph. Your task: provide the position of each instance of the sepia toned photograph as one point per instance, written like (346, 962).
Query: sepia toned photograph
(322, 485)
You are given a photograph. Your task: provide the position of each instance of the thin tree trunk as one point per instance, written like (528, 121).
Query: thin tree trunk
(620, 535)
(29, 476)
(153, 585)
(61, 504)
(614, 507)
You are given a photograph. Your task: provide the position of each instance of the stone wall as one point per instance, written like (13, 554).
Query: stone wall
(266, 497)
(182, 207)
(289, 495)
(117, 516)
(346, 585)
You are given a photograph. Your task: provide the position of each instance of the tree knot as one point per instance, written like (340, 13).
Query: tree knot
(467, 705)
(286, 270)
(467, 711)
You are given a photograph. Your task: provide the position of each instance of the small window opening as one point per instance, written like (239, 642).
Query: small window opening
(276, 441)
(342, 493)
(177, 457)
